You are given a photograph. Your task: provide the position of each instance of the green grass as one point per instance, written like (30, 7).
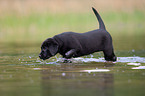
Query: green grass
(38, 27)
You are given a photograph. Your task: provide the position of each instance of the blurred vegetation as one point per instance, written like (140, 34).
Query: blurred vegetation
(31, 21)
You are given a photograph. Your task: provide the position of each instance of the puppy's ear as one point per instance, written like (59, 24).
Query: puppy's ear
(53, 48)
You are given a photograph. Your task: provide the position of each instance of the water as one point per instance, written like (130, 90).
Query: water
(22, 73)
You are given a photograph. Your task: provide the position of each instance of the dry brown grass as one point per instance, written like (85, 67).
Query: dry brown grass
(25, 7)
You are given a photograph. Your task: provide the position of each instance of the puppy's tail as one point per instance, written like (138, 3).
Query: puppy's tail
(101, 23)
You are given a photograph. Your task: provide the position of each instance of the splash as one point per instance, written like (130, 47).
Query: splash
(140, 67)
(120, 59)
(80, 59)
(135, 64)
(129, 60)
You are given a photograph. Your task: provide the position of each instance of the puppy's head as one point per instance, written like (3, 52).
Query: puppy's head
(49, 48)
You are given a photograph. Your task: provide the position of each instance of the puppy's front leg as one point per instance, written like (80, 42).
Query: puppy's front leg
(70, 53)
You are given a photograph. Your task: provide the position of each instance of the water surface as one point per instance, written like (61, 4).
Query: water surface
(23, 73)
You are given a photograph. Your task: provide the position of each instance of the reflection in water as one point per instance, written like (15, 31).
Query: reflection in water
(64, 82)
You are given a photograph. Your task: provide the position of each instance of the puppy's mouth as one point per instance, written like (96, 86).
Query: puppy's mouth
(43, 58)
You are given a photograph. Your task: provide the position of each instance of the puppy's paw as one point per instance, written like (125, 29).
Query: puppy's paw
(67, 61)
(70, 53)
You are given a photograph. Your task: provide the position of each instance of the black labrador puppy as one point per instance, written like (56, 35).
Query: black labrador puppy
(71, 44)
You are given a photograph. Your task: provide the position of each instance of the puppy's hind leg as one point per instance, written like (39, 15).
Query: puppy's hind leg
(109, 55)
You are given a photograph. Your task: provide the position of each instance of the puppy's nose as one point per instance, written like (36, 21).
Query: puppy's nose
(39, 56)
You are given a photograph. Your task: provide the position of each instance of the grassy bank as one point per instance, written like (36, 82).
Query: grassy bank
(37, 27)
(32, 21)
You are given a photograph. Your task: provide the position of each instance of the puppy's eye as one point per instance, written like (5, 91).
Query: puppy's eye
(44, 50)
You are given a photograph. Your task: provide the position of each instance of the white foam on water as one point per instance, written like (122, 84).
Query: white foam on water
(140, 67)
(131, 59)
(119, 59)
(136, 61)
(135, 64)
(30, 57)
(63, 74)
(95, 70)
(36, 68)
(38, 60)
(89, 59)
(51, 63)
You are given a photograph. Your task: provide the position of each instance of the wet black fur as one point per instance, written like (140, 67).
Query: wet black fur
(71, 44)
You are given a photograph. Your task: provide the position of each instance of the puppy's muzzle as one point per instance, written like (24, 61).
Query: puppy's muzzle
(43, 57)
(40, 56)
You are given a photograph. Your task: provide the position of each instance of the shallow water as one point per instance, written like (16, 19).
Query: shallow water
(22, 73)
